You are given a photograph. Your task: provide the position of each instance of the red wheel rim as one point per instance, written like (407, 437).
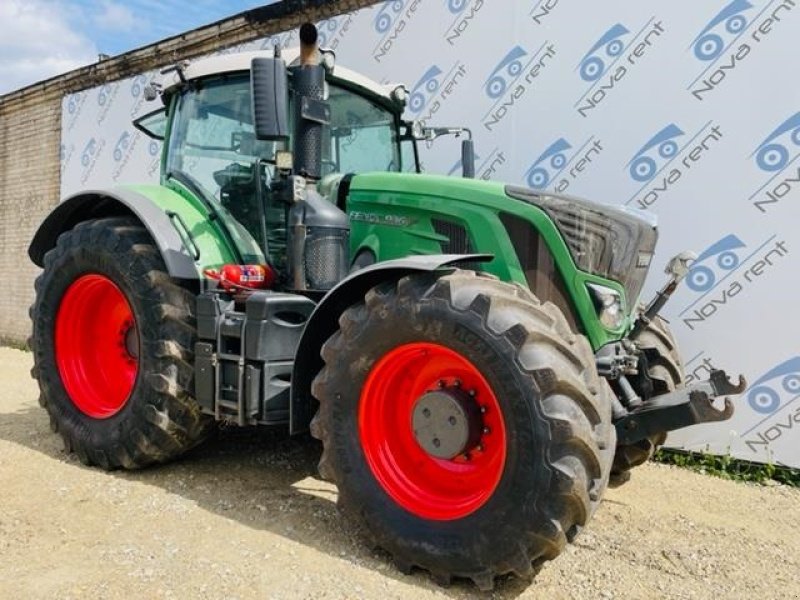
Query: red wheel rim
(96, 346)
(429, 487)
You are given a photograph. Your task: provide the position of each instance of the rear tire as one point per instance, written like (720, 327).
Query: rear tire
(554, 417)
(664, 374)
(106, 420)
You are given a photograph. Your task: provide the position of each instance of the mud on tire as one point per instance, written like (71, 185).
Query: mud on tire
(556, 411)
(160, 419)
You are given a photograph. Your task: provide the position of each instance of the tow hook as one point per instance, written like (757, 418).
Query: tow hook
(681, 408)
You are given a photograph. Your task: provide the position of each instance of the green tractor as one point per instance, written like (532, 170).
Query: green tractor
(469, 353)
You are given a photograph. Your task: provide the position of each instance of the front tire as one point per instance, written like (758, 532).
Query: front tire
(112, 347)
(540, 463)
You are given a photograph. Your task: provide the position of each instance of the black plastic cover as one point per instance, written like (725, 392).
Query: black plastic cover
(270, 98)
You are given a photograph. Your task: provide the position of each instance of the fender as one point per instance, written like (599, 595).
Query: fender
(324, 321)
(181, 231)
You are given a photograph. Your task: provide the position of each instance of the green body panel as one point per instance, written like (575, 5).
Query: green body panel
(390, 214)
(214, 250)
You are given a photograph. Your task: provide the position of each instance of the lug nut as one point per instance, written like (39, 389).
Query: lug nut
(442, 383)
(486, 430)
(472, 393)
(457, 383)
(483, 410)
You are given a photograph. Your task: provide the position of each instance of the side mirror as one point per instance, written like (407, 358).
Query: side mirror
(468, 158)
(269, 90)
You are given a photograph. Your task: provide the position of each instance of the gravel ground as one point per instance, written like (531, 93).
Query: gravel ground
(246, 517)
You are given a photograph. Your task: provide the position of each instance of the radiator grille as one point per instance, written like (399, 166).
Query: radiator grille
(457, 239)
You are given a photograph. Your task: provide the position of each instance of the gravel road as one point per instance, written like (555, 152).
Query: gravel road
(246, 517)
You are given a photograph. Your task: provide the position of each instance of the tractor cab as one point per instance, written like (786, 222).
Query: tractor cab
(210, 144)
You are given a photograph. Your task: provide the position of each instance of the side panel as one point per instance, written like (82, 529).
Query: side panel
(181, 229)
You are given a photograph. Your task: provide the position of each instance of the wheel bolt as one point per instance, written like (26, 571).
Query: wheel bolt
(486, 430)
(457, 383)
(480, 447)
(472, 393)
(442, 383)
(467, 457)
(483, 410)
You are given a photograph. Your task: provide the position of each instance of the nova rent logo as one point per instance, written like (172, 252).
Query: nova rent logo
(665, 158)
(105, 100)
(123, 151)
(773, 157)
(484, 169)
(511, 78)
(434, 89)
(730, 36)
(464, 13)
(560, 164)
(66, 153)
(698, 368)
(73, 106)
(723, 271)
(281, 40)
(154, 156)
(774, 395)
(138, 84)
(91, 152)
(332, 31)
(542, 9)
(610, 59)
(391, 20)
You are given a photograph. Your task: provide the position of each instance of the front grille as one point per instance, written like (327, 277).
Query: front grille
(536, 260)
(615, 243)
(326, 257)
(457, 239)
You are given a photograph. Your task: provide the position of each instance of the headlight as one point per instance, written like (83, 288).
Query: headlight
(608, 304)
(616, 243)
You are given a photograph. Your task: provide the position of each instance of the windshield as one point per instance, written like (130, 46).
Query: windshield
(363, 135)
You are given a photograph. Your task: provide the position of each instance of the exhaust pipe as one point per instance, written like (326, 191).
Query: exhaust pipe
(310, 111)
(319, 232)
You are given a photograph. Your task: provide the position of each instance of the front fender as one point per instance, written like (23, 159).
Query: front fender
(182, 231)
(324, 321)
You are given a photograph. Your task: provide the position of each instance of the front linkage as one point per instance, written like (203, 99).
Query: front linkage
(681, 408)
(651, 413)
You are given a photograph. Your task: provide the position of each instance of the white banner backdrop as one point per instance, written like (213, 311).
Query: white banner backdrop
(683, 109)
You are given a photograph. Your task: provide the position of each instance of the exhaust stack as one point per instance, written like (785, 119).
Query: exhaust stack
(319, 232)
(311, 112)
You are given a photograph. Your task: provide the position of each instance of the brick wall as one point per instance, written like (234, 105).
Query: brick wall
(30, 128)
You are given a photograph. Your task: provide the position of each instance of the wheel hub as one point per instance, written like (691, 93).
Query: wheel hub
(432, 431)
(96, 346)
(446, 423)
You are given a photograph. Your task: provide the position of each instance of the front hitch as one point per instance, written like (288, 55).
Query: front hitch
(681, 408)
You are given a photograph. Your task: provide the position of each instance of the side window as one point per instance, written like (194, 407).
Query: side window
(153, 124)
